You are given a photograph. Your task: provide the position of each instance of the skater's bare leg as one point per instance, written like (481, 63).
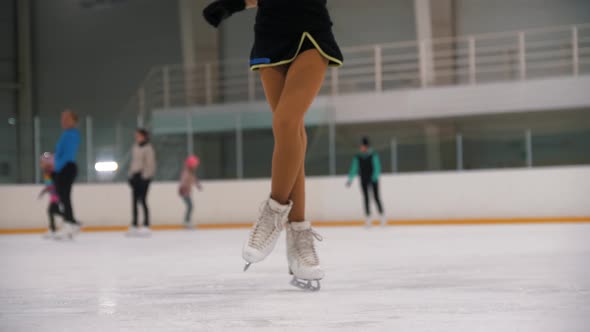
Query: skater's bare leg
(273, 81)
(303, 81)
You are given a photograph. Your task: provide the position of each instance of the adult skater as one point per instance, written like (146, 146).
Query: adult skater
(66, 171)
(47, 166)
(188, 179)
(141, 171)
(293, 46)
(367, 165)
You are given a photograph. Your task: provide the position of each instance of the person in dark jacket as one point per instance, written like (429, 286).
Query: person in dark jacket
(367, 165)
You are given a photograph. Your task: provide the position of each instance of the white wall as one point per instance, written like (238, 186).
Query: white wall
(518, 193)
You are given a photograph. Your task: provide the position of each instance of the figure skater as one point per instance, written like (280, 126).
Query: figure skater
(188, 179)
(293, 47)
(367, 165)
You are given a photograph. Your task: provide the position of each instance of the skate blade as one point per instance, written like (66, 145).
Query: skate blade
(306, 285)
(247, 266)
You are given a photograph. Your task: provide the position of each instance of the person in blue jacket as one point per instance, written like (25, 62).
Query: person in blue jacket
(66, 170)
(367, 165)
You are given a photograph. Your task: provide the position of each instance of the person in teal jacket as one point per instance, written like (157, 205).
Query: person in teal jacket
(367, 165)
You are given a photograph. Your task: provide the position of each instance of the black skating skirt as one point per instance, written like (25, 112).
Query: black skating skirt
(286, 28)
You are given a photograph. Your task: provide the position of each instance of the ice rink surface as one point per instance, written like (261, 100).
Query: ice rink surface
(466, 278)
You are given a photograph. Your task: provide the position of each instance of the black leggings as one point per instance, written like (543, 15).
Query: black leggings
(53, 210)
(64, 182)
(365, 184)
(139, 188)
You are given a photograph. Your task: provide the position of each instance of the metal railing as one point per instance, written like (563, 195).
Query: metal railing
(517, 55)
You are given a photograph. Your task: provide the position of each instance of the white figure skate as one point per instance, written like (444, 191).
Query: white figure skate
(66, 232)
(303, 260)
(265, 233)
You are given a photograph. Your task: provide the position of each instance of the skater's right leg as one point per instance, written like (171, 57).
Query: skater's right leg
(189, 209)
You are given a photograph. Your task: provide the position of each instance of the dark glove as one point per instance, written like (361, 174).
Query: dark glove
(219, 10)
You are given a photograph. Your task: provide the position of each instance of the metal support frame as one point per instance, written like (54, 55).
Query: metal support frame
(529, 148)
(190, 150)
(208, 84)
(394, 159)
(239, 147)
(89, 150)
(166, 86)
(332, 144)
(251, 86)
(522, 55)
(472, 61)
(378, 68)
(334, 81)
(37, 145)
(459, 141)
(141, 105)
(575, 51)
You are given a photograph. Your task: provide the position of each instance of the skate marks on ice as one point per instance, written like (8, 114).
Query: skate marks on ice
(501, 278)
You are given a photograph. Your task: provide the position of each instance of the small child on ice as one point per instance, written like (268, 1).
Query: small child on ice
(188, 178)
(53, 210)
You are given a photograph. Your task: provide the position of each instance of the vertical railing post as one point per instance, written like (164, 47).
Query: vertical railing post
(89, 150)
(332, 143)
(522, 55)
(189, 133)
(472, 61)
(239, 147)
(208, 84)
(141, 106)
(459, 140)
(251, 86)
(378, 68)
(575, 51)
(529, 148)
(334, 81)
(166, 86)
(423, 59)
(394, 160)
(36, 146)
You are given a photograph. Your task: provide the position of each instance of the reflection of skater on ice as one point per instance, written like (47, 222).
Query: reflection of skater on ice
(367, 165)
(47, 163)
(188, 178)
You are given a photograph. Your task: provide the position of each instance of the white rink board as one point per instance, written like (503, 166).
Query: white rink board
(515, 193)
(525, 278)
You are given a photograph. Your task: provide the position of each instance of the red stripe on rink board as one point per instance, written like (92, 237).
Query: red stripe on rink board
(449, 222)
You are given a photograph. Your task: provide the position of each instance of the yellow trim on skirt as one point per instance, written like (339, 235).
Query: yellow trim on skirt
(336, 62)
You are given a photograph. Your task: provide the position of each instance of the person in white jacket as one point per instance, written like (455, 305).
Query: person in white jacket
(141, 172)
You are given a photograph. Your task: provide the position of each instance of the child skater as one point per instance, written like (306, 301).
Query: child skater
(188, 178)
(53, 209)
(367, 166)
(293, 47)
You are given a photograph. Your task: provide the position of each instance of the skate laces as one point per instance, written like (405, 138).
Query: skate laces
(304, 246)
(268, 223)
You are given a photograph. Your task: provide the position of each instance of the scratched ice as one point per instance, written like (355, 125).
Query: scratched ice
(475, 278)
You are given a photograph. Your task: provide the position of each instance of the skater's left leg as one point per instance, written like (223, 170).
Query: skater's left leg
(273, 80)
(302, 84)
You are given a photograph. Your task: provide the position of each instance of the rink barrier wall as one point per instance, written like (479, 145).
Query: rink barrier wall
(539, 195)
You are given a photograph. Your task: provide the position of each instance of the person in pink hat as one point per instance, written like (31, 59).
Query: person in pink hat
(188, 179)
(47, 166)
